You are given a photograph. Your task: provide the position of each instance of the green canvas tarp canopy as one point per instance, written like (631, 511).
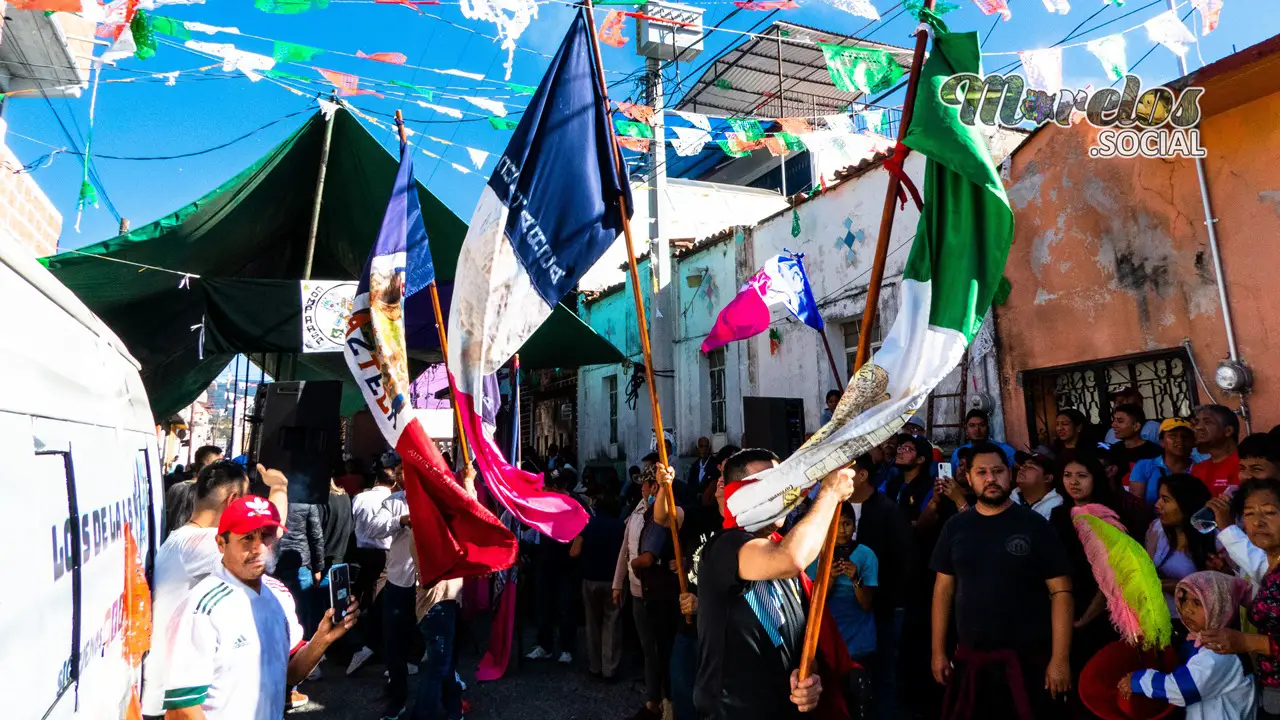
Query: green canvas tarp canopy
(254, 227)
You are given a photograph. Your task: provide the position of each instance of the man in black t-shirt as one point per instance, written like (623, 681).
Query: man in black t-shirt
(1009, 577)
(751, 611)
(698, 524)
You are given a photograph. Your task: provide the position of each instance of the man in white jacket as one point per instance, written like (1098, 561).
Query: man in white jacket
(1036, 471)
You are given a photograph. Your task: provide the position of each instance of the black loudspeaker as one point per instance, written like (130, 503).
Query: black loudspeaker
(296, 429)
(773, 423)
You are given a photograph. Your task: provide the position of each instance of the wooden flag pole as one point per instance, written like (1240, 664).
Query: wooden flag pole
(639, 302)
(444, 343)
(821, 583)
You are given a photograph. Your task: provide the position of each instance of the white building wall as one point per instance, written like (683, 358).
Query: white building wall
(692, 209)
(838, 232)
(720, 280)
(613, 317)
(838, 236)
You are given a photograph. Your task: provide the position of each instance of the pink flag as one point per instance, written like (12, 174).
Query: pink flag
(782, 281)
(610, 32)
(640, 145)
(991, 7)
(639, 113)
(392, 58)
(553, 514)
(348, 85)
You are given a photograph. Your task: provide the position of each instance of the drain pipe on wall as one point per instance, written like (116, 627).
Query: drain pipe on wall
(1237, 368)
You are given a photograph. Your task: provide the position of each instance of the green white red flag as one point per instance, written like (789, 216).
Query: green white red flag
(951, 275)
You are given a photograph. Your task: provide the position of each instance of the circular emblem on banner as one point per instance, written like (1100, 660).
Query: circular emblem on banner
(326, 306)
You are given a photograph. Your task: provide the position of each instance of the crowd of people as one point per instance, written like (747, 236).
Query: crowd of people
(967, 577)
(233, 557)
(959, 589)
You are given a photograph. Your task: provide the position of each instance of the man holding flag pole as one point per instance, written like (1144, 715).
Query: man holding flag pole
(955, 265)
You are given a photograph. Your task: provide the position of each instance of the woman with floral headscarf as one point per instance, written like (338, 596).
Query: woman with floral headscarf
(1207, 684)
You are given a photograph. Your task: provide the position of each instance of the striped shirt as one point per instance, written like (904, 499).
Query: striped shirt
(231, 651)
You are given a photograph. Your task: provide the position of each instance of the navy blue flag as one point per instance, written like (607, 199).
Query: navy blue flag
(552, 206)
(403, 232)
(558, 177)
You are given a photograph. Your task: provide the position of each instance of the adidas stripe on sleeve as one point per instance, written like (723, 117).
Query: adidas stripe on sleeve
(195, 649)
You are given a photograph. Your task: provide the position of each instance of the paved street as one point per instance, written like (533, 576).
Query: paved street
(530, 690)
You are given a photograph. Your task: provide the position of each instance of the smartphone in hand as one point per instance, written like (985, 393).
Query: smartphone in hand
(944, 470)
(340, 598)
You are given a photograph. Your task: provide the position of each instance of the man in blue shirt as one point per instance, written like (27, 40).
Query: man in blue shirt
(1178, 439)
(978, 430)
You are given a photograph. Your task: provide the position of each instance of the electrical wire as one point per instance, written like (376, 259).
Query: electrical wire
(1148, 52)
(206, 151)
(179, 156)
(93, 173)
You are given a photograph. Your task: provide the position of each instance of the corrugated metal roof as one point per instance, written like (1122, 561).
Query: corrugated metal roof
(752, 70)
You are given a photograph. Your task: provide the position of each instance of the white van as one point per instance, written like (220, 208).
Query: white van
(78, 465)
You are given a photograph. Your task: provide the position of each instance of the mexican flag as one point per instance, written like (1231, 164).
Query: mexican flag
(955, 265)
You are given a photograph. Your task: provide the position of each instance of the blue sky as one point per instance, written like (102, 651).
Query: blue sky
(151, 119)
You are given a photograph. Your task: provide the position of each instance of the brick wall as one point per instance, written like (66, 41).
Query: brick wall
(26, 214)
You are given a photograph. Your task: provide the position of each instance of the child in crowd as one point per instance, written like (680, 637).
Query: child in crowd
(855, 574)
(1208, 685)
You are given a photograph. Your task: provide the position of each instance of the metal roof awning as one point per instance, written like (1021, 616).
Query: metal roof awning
(785, 56)
(37, 54)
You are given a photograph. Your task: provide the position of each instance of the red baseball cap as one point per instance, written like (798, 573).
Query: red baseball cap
(247, 514)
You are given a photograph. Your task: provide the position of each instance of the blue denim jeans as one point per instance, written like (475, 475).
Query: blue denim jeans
(884, 671)
(684, 672)
(437, 683)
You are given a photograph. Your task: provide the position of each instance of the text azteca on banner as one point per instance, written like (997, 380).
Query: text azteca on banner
(375, 343)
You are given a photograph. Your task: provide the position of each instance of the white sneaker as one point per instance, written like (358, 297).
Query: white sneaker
(565, 659)
(413, 670)
(537, 653)
(359, 659)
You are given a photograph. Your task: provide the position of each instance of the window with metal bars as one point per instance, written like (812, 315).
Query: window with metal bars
(1163, 378)
(715, 361)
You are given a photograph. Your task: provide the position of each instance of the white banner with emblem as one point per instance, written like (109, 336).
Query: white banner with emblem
(326, 305)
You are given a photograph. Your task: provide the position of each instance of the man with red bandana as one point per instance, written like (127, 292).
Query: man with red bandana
(751, 607)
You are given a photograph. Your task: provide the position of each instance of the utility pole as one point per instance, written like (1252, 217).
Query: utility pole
(662, 309)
